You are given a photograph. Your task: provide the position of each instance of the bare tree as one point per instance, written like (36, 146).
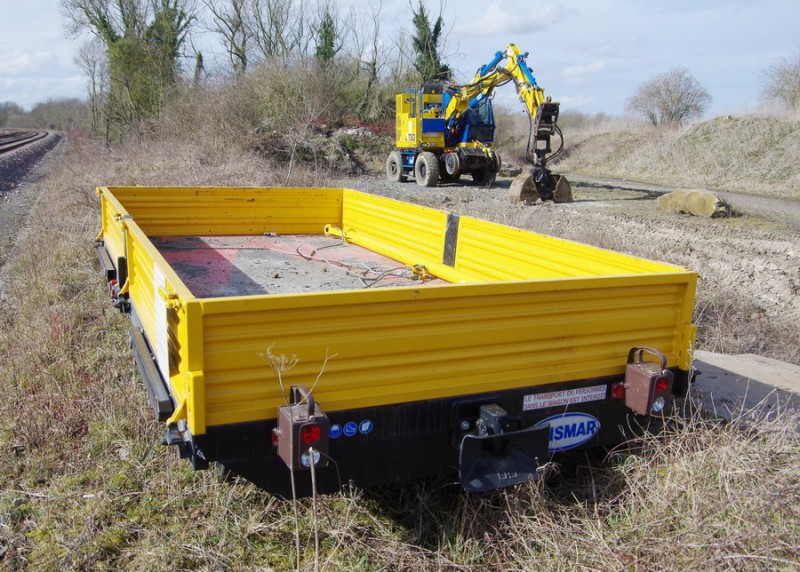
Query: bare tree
(670, 97)
(278, 29)
(91, 58)
(230, 20)
(782, 82)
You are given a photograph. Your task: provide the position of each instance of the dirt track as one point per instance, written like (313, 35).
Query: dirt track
(752, 259)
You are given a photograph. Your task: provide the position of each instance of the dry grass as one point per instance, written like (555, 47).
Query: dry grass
(751, 154)
(84, 484)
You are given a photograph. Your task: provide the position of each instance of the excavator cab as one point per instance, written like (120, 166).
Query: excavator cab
(475, 124)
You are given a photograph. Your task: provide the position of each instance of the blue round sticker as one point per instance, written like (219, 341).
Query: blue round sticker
(335, 431)
(350, 428)
(365, 427)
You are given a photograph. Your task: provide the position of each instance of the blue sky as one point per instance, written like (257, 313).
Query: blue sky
(589, 54)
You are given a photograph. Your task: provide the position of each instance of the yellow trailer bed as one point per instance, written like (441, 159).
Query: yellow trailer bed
(421, 320)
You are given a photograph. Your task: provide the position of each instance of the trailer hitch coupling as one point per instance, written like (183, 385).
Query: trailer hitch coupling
(493, 457)
(302, 432)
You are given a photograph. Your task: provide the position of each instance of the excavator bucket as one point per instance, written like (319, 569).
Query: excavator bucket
(525, 190)
(563, 190)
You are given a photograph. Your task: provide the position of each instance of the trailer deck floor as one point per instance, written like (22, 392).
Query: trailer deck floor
(217, 266)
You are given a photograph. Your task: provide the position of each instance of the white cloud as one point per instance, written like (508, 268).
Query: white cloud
(19, 63)
(576, 101)
(505, 20)
(32, 90)
(582, 72)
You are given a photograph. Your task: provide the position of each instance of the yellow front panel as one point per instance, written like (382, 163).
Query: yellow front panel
(489, 251)
(409, 233)
(212, 211)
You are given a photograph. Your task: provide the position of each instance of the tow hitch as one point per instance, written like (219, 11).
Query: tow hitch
(493, 457)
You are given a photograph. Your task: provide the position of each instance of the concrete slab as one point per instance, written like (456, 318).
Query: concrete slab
(733, 385)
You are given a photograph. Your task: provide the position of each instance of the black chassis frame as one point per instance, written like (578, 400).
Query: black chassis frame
(408, 441)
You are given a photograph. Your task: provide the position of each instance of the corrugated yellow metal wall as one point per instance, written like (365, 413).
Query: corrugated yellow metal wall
(488, 251)
(123, 237)
(408, 233)
(209, 211)
(548, 310)
(392, 346)
(111, 229)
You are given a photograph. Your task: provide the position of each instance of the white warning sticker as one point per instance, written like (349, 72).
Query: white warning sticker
(562, 398)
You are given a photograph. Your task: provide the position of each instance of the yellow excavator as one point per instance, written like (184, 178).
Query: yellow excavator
(445, 131)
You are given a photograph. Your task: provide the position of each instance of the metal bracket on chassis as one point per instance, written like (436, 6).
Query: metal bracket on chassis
(500, 459)
(178, 435)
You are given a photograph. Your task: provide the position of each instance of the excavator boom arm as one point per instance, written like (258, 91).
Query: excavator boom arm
(492, 75)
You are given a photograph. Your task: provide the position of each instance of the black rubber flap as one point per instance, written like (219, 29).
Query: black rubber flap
(496, 461)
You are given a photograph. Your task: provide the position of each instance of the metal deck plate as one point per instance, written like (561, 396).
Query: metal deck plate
(216, 266)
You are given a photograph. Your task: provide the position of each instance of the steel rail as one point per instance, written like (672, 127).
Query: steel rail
(16, 139)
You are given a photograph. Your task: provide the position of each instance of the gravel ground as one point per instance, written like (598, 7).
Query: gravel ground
(19, 172)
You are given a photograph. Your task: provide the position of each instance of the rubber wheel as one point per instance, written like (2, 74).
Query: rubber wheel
(485, 177)
(394, 168)
(426, 169)
(452, 164)
(497, 164)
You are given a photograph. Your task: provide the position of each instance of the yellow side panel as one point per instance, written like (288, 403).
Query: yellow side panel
(489, 251)
(408, 233)
(123, 237)
(399, 345)
(111, 230)
(172, 211)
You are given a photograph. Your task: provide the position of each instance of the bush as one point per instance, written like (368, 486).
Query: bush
(782, 82)
(670, 97)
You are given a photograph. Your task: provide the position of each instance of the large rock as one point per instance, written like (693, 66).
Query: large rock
(697, 202)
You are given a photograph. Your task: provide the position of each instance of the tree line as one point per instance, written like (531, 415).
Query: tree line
(144, 52)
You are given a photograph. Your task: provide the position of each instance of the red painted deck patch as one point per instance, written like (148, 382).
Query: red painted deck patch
(214, 266)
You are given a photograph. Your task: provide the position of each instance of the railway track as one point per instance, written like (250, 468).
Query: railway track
(14, 139)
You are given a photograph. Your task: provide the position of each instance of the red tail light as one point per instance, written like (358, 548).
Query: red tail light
(662, 385)
(310, 434)
(617, 391)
